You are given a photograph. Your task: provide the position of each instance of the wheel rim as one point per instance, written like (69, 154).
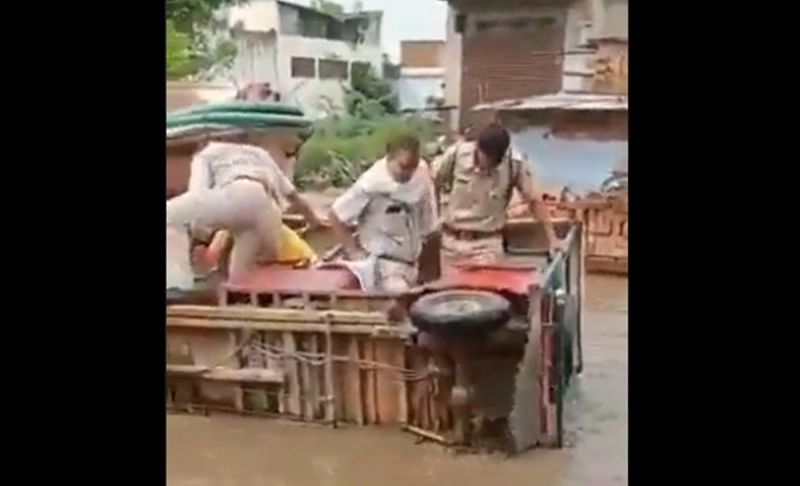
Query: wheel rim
(457, 306)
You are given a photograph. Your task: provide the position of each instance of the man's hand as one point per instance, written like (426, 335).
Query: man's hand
(556, 247)
(318, 222)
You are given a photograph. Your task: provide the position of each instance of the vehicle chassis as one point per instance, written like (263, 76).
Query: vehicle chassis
(286, 345)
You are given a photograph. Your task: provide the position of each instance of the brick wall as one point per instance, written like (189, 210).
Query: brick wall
(427, 53)
(611, 67)
(507, 53)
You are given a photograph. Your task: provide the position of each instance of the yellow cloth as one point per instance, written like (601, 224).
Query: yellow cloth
(293, 248)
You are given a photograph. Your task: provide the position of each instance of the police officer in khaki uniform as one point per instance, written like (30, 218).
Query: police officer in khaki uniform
(478, 178)
(233, 185)
(392, 205)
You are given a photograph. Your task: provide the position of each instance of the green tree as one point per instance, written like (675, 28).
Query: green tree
(178, 62)
(188, 15)
(370, 94)
(190, 48)
(328, 7)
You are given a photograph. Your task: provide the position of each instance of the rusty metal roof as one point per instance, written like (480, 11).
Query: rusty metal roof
(560, 101)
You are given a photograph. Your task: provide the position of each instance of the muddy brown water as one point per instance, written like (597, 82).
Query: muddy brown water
(232, 451)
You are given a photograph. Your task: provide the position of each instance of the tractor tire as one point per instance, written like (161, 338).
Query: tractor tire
(460, 312)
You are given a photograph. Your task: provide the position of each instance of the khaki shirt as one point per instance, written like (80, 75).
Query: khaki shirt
(393, 219)
(477, 201)
(221, 163)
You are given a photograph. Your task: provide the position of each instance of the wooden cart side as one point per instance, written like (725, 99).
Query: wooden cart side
(605, 224)
(324, 366)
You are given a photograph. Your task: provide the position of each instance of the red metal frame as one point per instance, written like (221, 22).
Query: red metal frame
(523, 282)
(546, 365)
(511, 279)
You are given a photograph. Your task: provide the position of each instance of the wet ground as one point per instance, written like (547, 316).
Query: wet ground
(230, 451)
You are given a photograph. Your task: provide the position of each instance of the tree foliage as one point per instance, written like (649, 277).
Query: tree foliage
(191, 50)
(346, 144)
(328, 7)
(187, 15)
(178, 59)
(369, 93)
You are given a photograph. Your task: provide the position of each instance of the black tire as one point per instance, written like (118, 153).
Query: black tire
(460, 312)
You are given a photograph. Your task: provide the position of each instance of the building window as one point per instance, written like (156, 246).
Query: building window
(303, 67)
(331, 69)
(391, 71)
(484, 25)
(524, 23)
(532, 23)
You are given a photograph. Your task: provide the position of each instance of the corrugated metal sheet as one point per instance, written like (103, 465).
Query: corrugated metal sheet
(560, 101)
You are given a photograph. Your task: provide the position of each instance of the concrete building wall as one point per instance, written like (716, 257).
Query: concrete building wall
(320, 94)
(452, 69)
(272, 36)
(417, 86)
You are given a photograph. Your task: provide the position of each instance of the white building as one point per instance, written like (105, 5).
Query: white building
(420, 88)
(421, 82)
(306, 56)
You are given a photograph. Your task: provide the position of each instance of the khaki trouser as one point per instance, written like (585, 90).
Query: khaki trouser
(395, 276)
(242, 207)
(478, 251)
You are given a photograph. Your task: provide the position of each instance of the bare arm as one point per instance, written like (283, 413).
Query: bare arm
(303, 207)
(344, 235)
(286, 188)
(442, 170)
(442, 167)
(344, 214)
(526, 185)
(429, 211)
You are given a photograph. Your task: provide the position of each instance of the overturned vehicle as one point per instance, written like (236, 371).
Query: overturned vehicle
(478, 357)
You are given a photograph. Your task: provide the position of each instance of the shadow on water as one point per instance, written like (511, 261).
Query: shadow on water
(231, 451)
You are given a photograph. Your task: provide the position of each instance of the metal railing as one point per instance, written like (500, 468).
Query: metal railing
(561, 282)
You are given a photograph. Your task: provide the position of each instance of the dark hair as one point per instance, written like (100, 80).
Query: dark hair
(404, 141)
(493, 141)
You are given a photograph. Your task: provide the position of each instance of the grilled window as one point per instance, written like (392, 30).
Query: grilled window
(303, 67)
(523, 23)
(330, 69)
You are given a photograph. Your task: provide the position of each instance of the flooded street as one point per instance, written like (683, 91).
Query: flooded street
(232, 451)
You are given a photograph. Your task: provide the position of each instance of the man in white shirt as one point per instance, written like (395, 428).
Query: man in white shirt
(392, 206)
(233, 185)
